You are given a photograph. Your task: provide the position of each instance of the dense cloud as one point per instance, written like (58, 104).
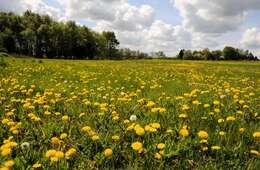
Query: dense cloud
(251, 40)
(214, 16)
(20, 6)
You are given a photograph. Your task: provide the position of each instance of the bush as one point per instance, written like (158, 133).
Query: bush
(2, 61)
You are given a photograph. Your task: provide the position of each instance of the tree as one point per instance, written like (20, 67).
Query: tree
(230, 53)
(181, 54)
(111, 44)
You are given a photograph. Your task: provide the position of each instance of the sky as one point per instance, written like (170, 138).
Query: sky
(159, 25)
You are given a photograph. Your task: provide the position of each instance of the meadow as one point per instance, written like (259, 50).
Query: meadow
(139, 114)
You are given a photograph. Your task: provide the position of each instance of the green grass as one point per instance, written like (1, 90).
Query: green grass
(30, 87)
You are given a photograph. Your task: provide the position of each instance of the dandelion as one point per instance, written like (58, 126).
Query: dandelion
(137, 146)
(184, 132)
(221, 133)
(161, 146)
(241, 130)
(108, 152)
(9, 163)
(115, 137)
(65, 118)
(69, 153)
(55, 140)
(256, 134)
(36, 165)
(25, 145)
(216, 148)
(139, 131)
(231, 118)
(63, 136)
(86, 129)
(133, 118)
(95, 137)
(203, 134)
(157, 155)
(150, 104)
(254, 152)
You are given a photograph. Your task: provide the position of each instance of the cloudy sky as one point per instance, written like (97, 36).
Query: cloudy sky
(153, 25)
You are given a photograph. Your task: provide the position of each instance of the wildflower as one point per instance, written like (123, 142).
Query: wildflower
(63, 136)
(86, 128)
(184, 132)
(215, 147)
(6, 151)
(150, 104)
(256, 134)
(65, 118)
(254, 152)
(216, 102)
(203, 141)
(157, 155)
(156, 125)
(9, 163)
(139, 131)
(36, 165)
(221, 133)
(206, 105)
(115, 137)
(205, 148)
(241, 130)
(196, 102)
(59, 154)
(25, 145)
(55, 140)
(50, 153)
(137, 146)
(203, 134)
(108, 152)
(69, 153)
(161, 146)
(169, 131)
(231, 118)
(221, 120)
(183, 115)
(133, 118)
(81, 114)
(95, 137)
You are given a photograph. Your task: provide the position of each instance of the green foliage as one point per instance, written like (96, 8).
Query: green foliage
(228, 53)
(39, 36)
(3, 63)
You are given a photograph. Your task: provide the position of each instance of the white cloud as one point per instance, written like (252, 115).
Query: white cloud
(135, 26)
(20, 6)
(214, 16)
(158, 37)
(251, 39)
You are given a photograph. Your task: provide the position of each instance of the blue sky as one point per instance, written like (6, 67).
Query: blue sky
(153, 25)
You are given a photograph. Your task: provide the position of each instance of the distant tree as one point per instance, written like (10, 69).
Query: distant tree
(230, 53)
(216, 55)
(181, 54)
(188, 55)
(159, 54)
(111, 44)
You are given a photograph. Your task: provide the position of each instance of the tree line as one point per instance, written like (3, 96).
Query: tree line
(228, 53)
(41, 36)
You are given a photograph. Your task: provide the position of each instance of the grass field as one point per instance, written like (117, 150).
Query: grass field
(146, 114)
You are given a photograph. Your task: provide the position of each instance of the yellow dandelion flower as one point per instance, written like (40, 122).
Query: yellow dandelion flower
(184, 132)
(203, 134)
(161, 146)
(137, 146)
(108, 152)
